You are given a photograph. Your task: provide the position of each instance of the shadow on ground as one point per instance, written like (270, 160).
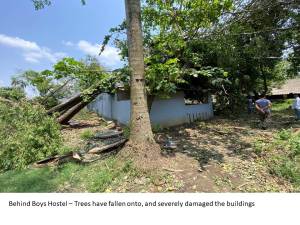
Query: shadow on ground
(213, 141)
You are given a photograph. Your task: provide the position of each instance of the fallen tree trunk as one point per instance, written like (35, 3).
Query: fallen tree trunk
(74, 101)
(65, 105)
(64, 118)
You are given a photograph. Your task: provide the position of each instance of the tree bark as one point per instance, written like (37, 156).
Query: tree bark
(140, 126)
(65, 105)
(265, 79)
(65, 118)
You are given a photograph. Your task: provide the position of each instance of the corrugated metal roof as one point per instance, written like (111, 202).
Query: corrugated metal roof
(290, 86)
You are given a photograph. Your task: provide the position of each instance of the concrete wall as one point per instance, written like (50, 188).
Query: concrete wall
(164, 112)
(121, 110)
(102, 105)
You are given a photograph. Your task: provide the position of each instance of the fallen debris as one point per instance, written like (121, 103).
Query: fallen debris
(98, 150)
(108, 134)
(57, 160)
(101, 145)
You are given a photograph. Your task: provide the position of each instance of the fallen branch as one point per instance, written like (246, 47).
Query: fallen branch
(56, 160)
(98, 150)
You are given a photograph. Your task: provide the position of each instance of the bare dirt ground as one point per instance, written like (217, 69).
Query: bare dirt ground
(83, 122)
(218, 155)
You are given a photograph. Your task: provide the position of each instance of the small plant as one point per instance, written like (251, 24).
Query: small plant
(258, 147)
(126, 132)
(284, 134)
(86, 135)
(157, 128)
(295, 146)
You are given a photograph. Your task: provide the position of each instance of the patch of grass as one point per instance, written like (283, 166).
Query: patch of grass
(284, 156)
(259, 146)
(69, 177)
(287, 168)
(281, 105)
(86, 135)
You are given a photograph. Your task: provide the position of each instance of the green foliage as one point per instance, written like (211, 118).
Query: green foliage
(284, 158)
(40, 4)
(12, 93)
(157, 128)
(50, 91)
(86, 135)
(284, 135)
(126, 132)
(287, 168)
(258, 146)
(67, 77)
(282, 71)
(26, 134)
(171, 55)
(281, 105)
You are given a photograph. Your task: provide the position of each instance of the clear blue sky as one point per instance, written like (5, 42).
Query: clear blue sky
(32, 39)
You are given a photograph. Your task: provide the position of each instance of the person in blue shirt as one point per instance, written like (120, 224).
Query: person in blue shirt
(263, 106)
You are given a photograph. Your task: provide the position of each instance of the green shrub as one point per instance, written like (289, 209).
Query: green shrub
(285, 161)
(287, 168)
(27, 134)
(295, 146)
(284, 134)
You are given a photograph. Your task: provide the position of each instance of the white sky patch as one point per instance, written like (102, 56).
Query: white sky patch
(32, 52)
(68, 43)
(109, 57)
(1, 83)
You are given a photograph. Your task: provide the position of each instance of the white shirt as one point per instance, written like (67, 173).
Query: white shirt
(296, 104)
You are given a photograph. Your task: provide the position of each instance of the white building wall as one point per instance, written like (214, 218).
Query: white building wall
(120, 110)
(164, 112)
(173, 111)
(102, 105)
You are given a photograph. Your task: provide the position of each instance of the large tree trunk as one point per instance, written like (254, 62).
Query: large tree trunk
(140, 131)
(141, 148)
